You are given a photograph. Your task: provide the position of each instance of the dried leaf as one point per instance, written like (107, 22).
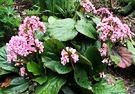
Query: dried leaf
(6, 83)
(126, 57)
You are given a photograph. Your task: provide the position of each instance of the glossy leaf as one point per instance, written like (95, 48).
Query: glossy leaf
(34, 68)
(96, 20)
(3, 72)
(18, 81)
(85, 28)
(41, 79)
(51, 56)
(19, 88)
(67, 90)
(81, 77)
(109, 85)
(62, 30)
(84, 60)
(94, 56)
(18, 85)
(52, 86)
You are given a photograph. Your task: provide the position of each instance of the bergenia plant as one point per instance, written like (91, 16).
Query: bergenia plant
(114, 34)
(70, 55)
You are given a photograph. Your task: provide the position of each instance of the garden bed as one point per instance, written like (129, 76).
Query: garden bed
(80, 70)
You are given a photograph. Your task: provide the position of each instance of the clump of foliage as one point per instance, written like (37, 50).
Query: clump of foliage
(9, 23)
(59, 8)
(128, 8)
(70, 55)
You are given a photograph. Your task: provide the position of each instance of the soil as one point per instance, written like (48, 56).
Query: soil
(128, 74)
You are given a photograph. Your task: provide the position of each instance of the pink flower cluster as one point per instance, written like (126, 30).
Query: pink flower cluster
(103, 50)
(103, 12)
(113, 29)
(89, 7)
(30, 25)
(69, 55)
(25, 43)
(22, 71)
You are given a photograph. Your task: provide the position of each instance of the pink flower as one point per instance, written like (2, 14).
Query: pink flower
(75, 57)
(31, 24)
(22, 71)
(103, 50)
(69, 55)
(25, 43)
(16, 46)
(104, 12)
(39, 45)
(65, 57)
(89, 7)
(113, 29)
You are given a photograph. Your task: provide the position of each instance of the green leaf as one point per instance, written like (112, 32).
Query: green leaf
(96, 20)
(51, 19)
(39, 35)
(84, 60)
(9, 2)
(126, 9)
(3, 61)
(5, 91)
(51, 56)
(81, 77)
(85, 28)
(131, 49)
(52, 86)
(94, 56)
(34, 68)
(103, 87)
(80, 14)
(41, 79)
(97, 44)
(19, 88)
(3, 72)
(62, 30)
(2, 1)
(18, 85)
(63, 69)
(116, 59)
(67, 90)
(18, 81)
(77, 47)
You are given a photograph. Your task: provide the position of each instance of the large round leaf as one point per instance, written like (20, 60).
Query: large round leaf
(18, 85)
(52, 86)
(51, 56)
(109, 85)
(62, 30)
(34, 68)
(81, 77)
(86, 29)
(94, 56)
